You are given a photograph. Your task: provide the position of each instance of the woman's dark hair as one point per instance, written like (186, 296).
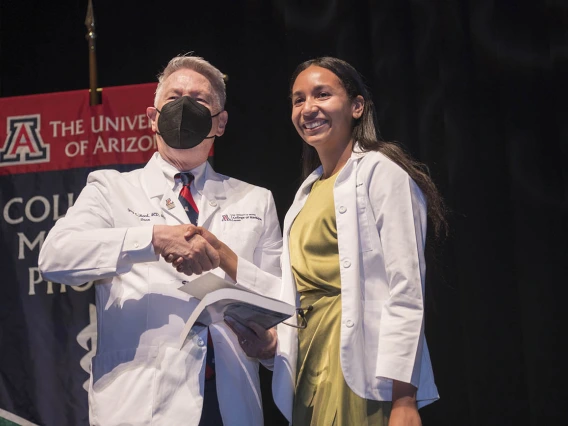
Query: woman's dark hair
(365, 133)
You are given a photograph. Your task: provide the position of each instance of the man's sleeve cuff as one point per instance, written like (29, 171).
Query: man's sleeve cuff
(138, 244)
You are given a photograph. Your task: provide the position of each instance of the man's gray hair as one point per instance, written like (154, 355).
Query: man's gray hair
(199, 65)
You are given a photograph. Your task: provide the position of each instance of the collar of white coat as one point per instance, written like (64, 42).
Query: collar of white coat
(306, 186)
(159, 178)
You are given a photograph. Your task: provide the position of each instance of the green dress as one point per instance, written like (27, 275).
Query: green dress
(322, 396)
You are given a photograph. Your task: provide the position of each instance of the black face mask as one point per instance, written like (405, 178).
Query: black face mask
(184, 123)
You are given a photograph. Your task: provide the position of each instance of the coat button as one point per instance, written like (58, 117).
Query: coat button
(213, 203)
(136, 245)
(342, 209)
(200, 342)
(349, 323)
(346, 263)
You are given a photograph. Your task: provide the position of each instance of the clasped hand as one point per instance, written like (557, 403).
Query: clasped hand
(255, 341)
(186, 248)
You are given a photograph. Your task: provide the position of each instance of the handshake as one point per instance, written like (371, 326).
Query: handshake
(193, 249)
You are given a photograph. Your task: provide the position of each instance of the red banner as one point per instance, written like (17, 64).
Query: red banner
(48, 145)
(60, 131)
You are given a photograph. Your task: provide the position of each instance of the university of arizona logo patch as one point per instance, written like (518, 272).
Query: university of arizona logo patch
(24, 144)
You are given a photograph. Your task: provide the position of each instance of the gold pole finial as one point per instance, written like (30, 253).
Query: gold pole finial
(91, 36)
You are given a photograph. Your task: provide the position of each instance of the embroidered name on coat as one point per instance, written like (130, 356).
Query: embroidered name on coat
(145, 217)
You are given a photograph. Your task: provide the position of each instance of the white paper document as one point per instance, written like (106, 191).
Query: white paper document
(219, 297)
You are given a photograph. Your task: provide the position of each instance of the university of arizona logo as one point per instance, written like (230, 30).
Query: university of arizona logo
(23, 143)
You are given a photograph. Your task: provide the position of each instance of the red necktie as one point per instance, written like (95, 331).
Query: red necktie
(188, 203)
(186, 199)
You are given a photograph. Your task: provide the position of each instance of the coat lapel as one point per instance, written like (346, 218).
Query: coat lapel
(161, 194)
(213, 196)
(300, 200)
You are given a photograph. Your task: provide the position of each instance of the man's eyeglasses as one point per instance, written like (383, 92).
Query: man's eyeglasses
(301, 312)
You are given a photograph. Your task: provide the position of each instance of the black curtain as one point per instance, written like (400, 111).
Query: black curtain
(475, 89)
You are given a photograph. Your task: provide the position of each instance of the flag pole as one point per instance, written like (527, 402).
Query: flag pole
(91, 36)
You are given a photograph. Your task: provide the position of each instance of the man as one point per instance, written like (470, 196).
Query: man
(120, 232)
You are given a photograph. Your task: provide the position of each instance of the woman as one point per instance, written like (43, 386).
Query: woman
(353, 256)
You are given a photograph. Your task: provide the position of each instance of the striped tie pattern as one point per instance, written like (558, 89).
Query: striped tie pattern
(186, 199)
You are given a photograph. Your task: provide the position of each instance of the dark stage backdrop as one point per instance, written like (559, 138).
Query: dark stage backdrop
(476, 89)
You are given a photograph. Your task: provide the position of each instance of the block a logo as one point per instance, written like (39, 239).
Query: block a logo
(23, 143)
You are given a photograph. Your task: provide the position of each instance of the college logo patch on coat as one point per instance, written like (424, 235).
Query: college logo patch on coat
(238, 217)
